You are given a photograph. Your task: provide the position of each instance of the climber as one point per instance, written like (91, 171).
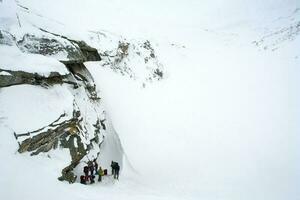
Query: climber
(100, 173)
(82, 179)
(91, 167)
(117, 170)
(113, 164)
(86, 173)
(92, 177)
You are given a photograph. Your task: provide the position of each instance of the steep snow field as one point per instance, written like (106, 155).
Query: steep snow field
(216, 128)
(223, 123)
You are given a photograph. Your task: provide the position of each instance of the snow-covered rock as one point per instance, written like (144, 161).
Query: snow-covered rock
(52, 66)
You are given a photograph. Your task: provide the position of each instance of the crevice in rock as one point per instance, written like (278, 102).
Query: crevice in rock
(82, 74)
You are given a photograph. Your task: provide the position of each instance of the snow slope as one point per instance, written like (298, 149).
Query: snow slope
(224, 122)
(230, 132)
(14, 59)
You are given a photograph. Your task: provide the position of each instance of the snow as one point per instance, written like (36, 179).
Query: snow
(223, 142)
(155, 18)
(111, 148)
(13, 59)
(223, 124)
(4, 73)
(27, 108)
(75, 143)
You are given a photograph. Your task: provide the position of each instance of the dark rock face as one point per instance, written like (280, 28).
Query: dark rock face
(89, 53)
(48, 139)
(62, 133)
(58, 134)
(49, 46)
(21, 77)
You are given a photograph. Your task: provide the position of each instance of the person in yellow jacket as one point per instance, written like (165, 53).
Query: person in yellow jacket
(100, 173)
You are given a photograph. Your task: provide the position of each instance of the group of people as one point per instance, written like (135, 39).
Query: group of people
(91, 170)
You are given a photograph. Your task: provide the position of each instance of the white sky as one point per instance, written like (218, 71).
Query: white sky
(135, 15)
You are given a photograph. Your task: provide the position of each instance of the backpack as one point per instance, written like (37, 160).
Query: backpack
(101, 172)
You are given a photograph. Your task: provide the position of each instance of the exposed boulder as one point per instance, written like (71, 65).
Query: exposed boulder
(58, 46)
(90, 53)
(48, 45)
(68, 174)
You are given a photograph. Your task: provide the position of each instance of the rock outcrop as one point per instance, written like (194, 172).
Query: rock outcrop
(81, 129)
(74, 132)
(132, 58)
(61, 47)
(11, 78)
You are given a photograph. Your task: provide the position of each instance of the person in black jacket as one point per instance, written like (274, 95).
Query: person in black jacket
(117, 170)
(91, 167)
(112, 168)
(86, 172)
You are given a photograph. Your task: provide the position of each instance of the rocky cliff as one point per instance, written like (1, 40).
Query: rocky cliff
(40, 61)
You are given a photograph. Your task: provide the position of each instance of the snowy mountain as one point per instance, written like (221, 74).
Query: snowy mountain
(195, 100)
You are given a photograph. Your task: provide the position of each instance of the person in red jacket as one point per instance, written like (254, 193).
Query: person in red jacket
(82, 179)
